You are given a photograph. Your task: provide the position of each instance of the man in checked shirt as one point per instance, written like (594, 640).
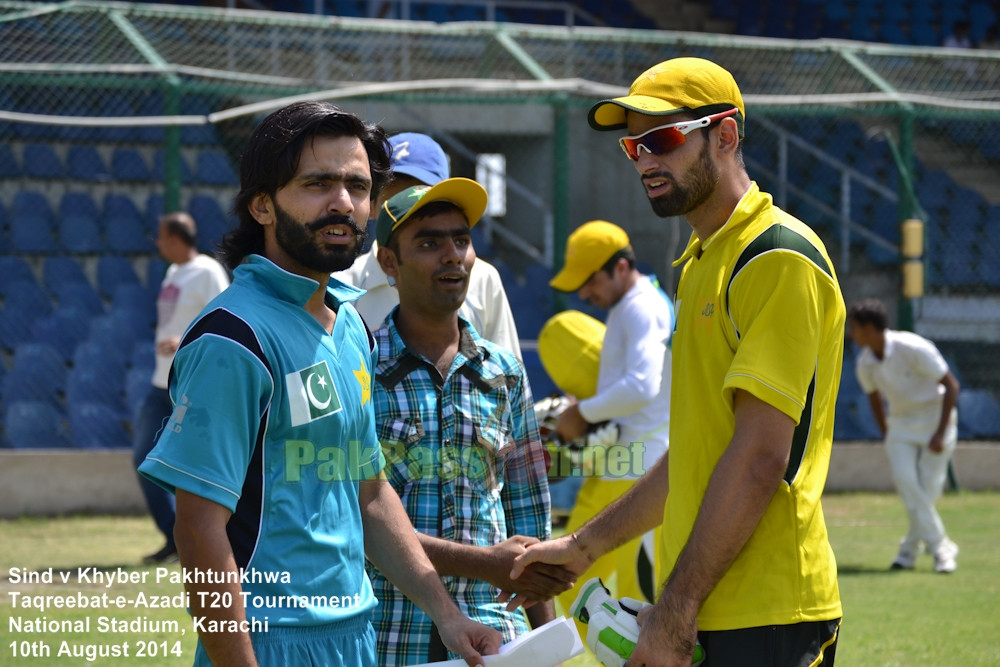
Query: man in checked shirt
(454, 415)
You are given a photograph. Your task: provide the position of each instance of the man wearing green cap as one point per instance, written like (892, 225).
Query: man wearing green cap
(756, 366)
(455, 419)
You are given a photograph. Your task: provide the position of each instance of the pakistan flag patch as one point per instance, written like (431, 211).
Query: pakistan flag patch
(311, 394)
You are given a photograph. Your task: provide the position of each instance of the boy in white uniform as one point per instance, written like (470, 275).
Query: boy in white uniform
(633, 388)
(920, 430)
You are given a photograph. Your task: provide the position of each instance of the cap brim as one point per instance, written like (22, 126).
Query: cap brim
(423, 175)
(465, 193)
(568, 280)
(610, 114)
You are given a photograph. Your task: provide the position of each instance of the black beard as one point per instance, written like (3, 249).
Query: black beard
(697, 188)
(299, 242)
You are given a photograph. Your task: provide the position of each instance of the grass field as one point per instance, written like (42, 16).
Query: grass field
(905, 619)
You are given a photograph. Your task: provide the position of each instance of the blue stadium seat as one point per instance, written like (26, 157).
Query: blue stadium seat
(95, 425)
(38, 373)
(96, 356)
(211, 220)
(84, 163)
(10, 167)
(14, 268)
(156, 271)
(80, 296)
(27, 296)
(105, 386)
(35, 424)
(41, 161)
(113, 271)
(139, 301)
(128, 165)
(79, 223)
(64, 329)
(138, 383)
(978, 414)
(114, 328)
(32, 223)
(187, 177)
(125, 229)
(143, 355)
(15, 326)
(213, 167)
(61, 270)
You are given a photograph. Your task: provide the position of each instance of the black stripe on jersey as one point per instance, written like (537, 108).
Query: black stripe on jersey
(800, 437)
(779, 237)
(243, 528)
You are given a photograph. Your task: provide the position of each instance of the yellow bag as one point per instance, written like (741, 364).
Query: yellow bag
(569, 347)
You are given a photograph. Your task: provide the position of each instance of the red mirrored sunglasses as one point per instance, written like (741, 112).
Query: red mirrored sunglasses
(664, 138)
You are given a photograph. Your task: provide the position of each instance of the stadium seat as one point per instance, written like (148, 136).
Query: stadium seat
(95, 425)
(10, 166)
(27, 296)
(38, 373)
(79, 224)
(140, 301)
(114, 328)
(63, 329)
(35, 424)
(125, 229)
(214, 168)
(14, 268)
(60, 270)
(84, 163)
(156, 270)
(101, 385)
(978, 414)
(15, 326)
(159, 167)
(143, 355)
(128, 165)
(112, 271)
(80, 296)
(32, 223)
(40, 160)
(96, 356)
(211, 220)
(137, 386)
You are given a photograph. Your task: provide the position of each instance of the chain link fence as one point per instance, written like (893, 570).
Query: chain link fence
(113, 113)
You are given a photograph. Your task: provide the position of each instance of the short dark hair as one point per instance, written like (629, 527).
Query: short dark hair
(869, 311)
(625, 253)
(272, 156)
(182, 226)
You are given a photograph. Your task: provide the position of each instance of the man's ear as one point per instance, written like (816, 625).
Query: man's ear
(389, 263)
(261, 207)
(729, 135)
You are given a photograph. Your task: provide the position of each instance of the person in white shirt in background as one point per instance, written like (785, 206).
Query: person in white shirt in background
(921, 429)
(633, 390)
(192, 280)
(419, 160)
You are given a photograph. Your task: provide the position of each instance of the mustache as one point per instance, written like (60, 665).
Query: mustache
(662, 175)
(346, 220)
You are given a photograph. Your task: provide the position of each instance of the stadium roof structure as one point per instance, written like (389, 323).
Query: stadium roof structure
(254, 61)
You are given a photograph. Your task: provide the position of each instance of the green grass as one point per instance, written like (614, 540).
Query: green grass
(916, 618)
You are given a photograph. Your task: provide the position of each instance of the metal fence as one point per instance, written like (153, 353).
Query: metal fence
(111, 113)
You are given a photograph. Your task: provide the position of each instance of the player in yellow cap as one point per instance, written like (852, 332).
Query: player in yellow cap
(757, 357)
(632, 392)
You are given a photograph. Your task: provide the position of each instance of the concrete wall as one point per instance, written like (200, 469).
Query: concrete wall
(45, 483)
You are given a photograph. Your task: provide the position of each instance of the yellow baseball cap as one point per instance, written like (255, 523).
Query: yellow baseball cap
(679, 84)
(587, 249)
(465, 193)
(569, 347)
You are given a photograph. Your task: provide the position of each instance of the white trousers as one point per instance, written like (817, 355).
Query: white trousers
(919, 475)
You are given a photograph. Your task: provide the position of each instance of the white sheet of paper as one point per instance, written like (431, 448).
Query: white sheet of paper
(545, 646)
